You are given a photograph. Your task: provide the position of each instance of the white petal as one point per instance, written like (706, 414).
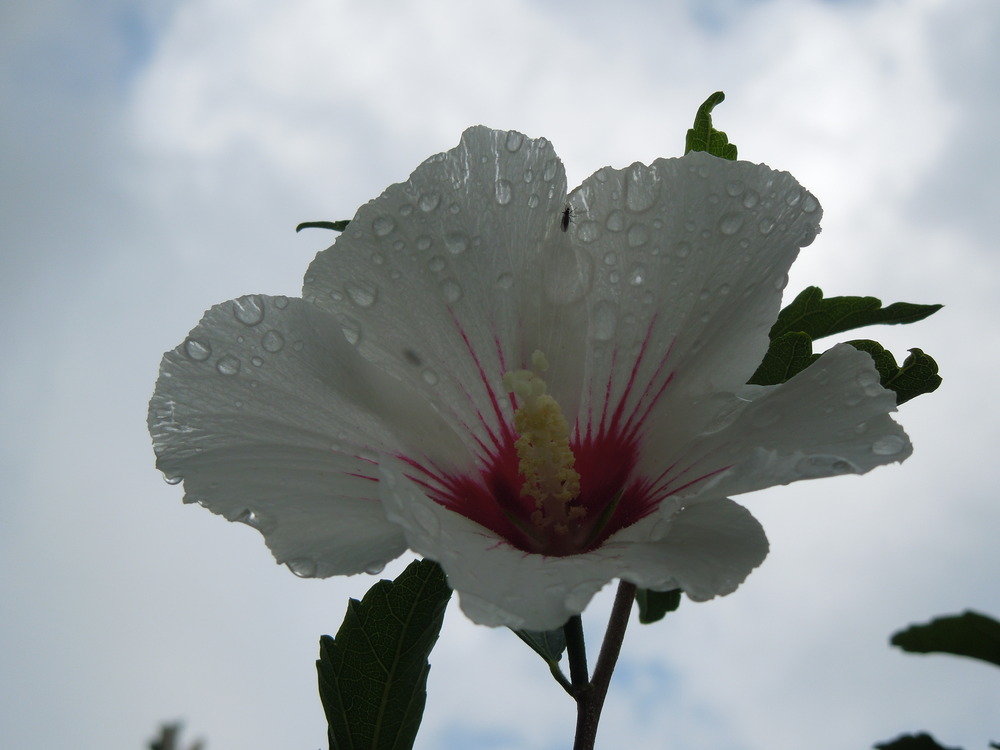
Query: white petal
(447, 280)
(690, 257)
(498, 585)
(271, 417)
(832, 418)
(708, 550)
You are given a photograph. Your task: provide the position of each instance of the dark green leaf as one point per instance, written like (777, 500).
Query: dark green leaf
(787, 356)
(548, 644)
(336, 226)
(373, 675)
(654, 605)
(703, 137)
(968, 634)
(912, 742)
(918, 375)
(819, 317)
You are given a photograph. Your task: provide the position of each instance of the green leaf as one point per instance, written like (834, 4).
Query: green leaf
(373, 675)
(912, 742)
(336, 226)
(819, 317)
(703, 137)
(654, 605)
(968, 634)
(787, 356)
(918, 375)
(548, 644)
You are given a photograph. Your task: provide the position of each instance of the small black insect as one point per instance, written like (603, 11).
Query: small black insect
(567, 215)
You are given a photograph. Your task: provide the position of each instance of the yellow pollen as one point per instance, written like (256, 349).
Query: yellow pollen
(546, 460)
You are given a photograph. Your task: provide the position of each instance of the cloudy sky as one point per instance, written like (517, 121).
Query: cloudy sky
(156, 157)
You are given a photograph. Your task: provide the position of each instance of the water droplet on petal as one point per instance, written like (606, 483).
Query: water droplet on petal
(249, 309)
(514, 141)
(302, 567)
(735, 189)
(361, 293)
(792, 197)
(451, 290)
(383, 225)
(429, 201)
(610, 259)
(641, 187)
(197, 350)
(430, 377)
(256, 361)
(637, 276)
(889, 445)
(351, 329)
(228, 365)
(172, 480)
(504, 192)
(456, 242)
(424, 242)
(809, 204)
(374, 569)
(750, 198)
(731, 223)
(273, 342)
(869, 381)
(683, 249)
(615, 221)
(605, 321)
(436, 263)
(638, 235)
(824, 466)
(505, 281)
(766, 225)
(281, 301)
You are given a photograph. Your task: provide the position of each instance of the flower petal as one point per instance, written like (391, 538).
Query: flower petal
(272, 418)
(708, 550)
(456, 276)
(690, 257)
(832, 418)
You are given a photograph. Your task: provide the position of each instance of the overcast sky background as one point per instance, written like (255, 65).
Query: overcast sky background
(155, 158)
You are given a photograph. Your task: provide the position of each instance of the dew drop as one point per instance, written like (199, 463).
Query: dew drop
(604, 321)
(550, 169)
(362, 293)
(197, 350)
(514, 141)
(256, 361)
(173, 480)
(273, 342)
(615, 221)
(638, 235)
(383, 225)
(302, 567)
(429, 201)
(451, 290)
(351, 329)
(731, 223)
(249, 309)
(228, 365)
(889, 445)
(504, 192)
(374, 569)
(456, 242)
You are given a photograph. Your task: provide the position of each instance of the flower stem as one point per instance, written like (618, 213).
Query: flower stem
(590, 701)
(576, 653)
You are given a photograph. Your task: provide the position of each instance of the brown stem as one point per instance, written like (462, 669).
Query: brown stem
(590, 701)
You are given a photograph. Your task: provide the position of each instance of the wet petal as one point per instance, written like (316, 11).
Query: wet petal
(271, 417)
(458, 275)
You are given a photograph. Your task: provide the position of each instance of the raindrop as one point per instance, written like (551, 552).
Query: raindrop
(869, 381)
(281, 301)
(249, 309)
(888, 445)
(451, 290)
(780, 281)
(615, 221)
(551, 166)
(297, 345)
(424, 242)
(683, 249)
(374, 569)
(172, 480)
(456, 242)
(249, 518)
(197, 350)
(731, 223)
(504, 192)
(588, 231)
(750, 199)
(824, 466)
(610, 259)
(256, 361)
(766, 225)
(429, 201)
(638, 235)
(352, 332)
(436, 263)
(637, 276)
(228, 365)
(383, 225)
(514, 141)
(272, 342)
(505, 281)
(303, 567)
(529, 175)
(605, 321)
(793, 197)
(641, 187)
(735, 188)
(430, 377)
(809, 204)
(362, 293)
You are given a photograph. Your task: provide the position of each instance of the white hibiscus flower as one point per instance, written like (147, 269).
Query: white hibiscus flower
(541, 392)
